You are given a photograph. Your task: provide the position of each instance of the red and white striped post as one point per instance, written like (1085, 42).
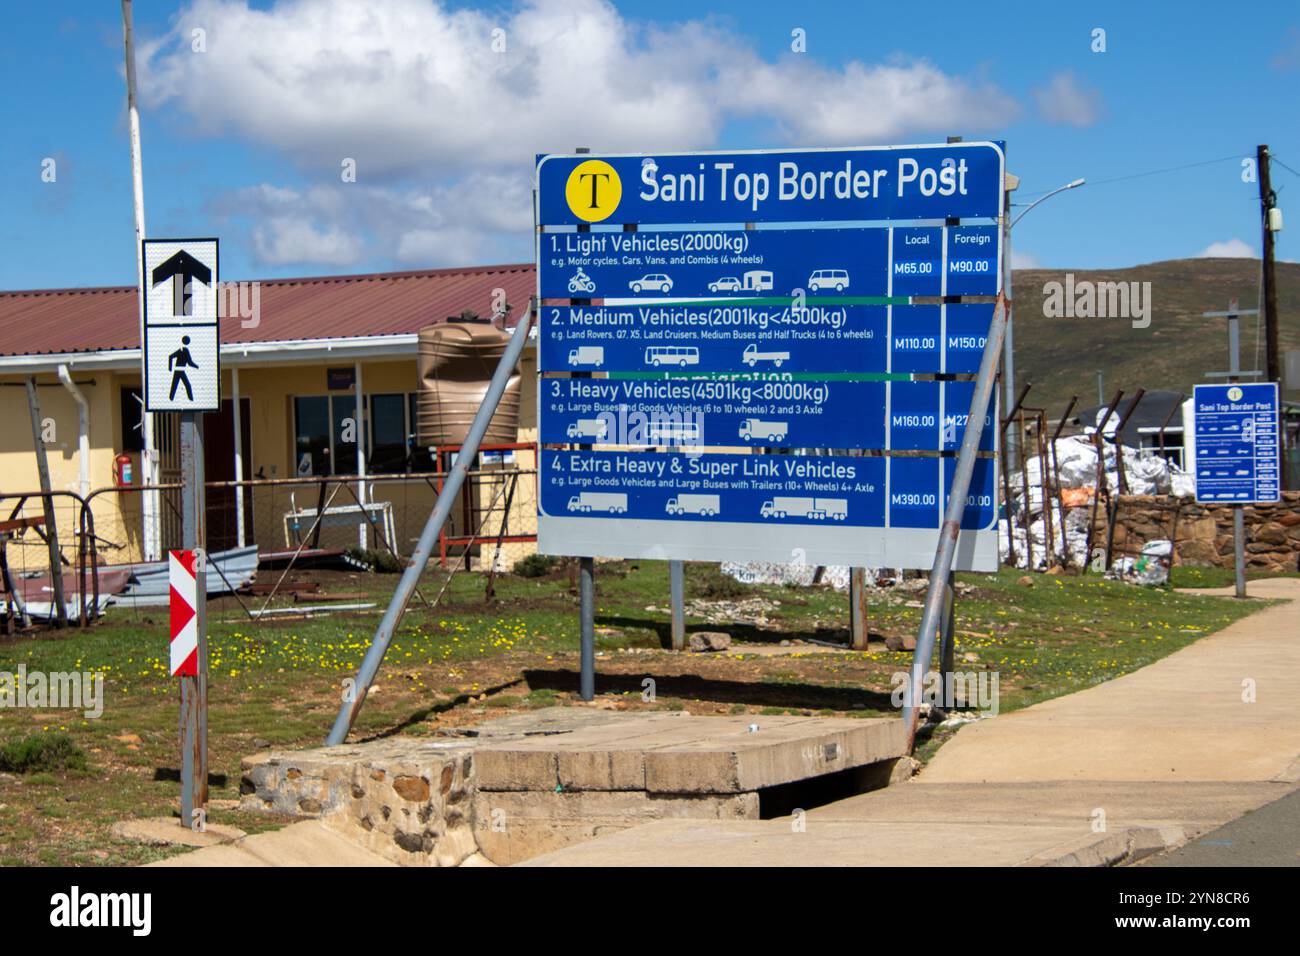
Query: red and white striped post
(184, 614)
(186, 575)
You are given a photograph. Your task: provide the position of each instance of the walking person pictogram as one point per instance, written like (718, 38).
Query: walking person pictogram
(177, 362)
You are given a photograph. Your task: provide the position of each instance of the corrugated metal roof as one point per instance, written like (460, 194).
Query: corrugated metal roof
(44, 321)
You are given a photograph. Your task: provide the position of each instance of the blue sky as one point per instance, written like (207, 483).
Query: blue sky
(246, 138)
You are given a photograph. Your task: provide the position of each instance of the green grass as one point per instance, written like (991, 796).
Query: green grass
(277, 682)
(42, 751)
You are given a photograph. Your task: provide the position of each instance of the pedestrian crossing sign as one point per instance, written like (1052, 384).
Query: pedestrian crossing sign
(182, 367)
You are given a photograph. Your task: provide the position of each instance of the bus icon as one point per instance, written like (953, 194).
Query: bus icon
(679, 355)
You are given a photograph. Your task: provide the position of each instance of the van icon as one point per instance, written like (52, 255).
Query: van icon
(837, 279)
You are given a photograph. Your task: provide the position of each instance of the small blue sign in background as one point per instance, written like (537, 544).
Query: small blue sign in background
(1237, 453)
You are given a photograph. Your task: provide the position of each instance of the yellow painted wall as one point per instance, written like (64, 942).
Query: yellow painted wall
(18, 470)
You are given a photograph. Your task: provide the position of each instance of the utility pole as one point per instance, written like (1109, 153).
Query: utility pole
(1272, 356)
(149, 453)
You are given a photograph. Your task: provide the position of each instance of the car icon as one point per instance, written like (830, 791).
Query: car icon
(725, 284)
(656, 282)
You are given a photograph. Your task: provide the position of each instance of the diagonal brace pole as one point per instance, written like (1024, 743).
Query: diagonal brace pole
(950, 530)
(424, 547)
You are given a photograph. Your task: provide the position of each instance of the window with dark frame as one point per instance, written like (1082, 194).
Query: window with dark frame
(325, 436)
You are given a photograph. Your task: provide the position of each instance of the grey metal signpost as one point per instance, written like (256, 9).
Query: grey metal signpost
(194, 689)
(182, 374)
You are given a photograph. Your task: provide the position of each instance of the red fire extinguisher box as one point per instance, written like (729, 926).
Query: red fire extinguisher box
(123, 470)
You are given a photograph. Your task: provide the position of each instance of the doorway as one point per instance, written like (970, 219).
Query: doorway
(219, 465)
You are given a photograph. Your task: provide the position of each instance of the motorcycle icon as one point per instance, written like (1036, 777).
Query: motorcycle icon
(582, 282)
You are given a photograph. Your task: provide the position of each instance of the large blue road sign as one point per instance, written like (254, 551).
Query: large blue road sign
(758, 263)
(768, 490)
(958, 180)
(775, 301)
(1238, 458)
(821, 336)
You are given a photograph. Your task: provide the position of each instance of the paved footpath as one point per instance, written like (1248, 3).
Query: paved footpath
(1111, 774)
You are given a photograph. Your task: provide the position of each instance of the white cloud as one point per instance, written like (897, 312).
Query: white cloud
(407, 85)
(1024, 260)
(1232, 249)
(479, 219)
(446, 128)
(1064, 102)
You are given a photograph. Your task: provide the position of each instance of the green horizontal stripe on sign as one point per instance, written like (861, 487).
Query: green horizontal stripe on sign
(770, 376)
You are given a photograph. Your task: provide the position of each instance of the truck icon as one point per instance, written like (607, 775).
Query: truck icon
(817, 509)
(694, 505)
(757, 280)
(755, 429)
(588, 428)
(752, 356)
(587, 355)
(614, 503)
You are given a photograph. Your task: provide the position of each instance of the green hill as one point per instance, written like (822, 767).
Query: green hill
(1061, 356)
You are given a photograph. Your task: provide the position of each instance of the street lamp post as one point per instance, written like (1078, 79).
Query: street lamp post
(1008, 342)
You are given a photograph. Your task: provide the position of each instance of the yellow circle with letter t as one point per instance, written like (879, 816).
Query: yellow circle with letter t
(593, 190)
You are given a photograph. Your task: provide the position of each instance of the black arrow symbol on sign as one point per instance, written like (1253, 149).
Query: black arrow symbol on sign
(182, 268)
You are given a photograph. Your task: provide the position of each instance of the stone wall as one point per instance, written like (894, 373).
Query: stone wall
(1203, 533)
(406, 799)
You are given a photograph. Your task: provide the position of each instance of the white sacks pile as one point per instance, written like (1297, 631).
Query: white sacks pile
(1146, 473)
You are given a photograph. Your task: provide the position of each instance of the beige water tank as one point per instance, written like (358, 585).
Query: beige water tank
(455, 362)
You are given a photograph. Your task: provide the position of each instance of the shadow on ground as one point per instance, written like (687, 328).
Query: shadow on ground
(695, 687)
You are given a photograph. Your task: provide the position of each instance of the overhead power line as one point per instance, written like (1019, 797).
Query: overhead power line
(1151, 172)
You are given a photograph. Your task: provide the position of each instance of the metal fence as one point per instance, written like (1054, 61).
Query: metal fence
(374, 518)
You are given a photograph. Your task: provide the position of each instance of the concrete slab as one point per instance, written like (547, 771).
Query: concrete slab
(1046, 824)
(743, 761)
(310, 843)
(776, 843)
(515, 826)
(167, 831)
(715, 754)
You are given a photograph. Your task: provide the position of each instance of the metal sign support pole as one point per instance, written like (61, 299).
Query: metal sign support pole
(858, 609)
(355, 696)
(587, 635)
(935, 595)
(1238, 511)
(677, 597)
(194, 690)
(939, 606)
(947, 645)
